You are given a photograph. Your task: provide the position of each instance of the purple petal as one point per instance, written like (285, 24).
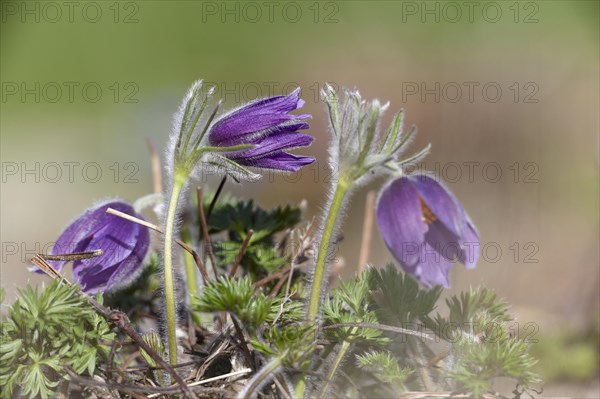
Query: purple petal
(116, 238)
(433, 268)
(254, 117)
(255, 138)
(443, 240)
(129, 268)
(273, 143)
(76, 237)
(91, 280)
(124, 245)
(279, 161)
(470, 247)
(442, 203)
(399, 217)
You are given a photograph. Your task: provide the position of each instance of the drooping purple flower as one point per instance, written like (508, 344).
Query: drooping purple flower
(124, 245)
(426, 228)
(268, 125)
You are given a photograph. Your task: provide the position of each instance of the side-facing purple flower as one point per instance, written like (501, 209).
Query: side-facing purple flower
(267, 125)
(426, 228)
(124, 245)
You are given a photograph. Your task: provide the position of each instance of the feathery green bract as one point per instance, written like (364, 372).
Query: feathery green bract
(399, 297)
(238, 297)
(294, 340)
(350, 304)
(45, 332)
(236, 218)
(384, 366)
(482, 346)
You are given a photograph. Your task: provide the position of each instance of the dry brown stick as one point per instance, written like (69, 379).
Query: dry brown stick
(271, 277)
(153, 368)
(245, 348)
(215, 198)
(111, 358)
(282, 280)
(367, 232)
(155, 162)
(381, 327)
(204, 226)
(287, 274)
(121, 321)
(72, 256)
(137, 388)
(240, 254)
(154, 227)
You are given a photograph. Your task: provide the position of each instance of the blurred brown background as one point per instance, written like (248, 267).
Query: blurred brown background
(506, 92)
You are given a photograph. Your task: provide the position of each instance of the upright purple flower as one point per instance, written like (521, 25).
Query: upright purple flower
(124, 245)
(426, 228)
(268, 125)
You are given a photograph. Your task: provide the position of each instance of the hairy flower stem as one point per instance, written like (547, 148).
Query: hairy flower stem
(341, 190)
(343, 185)
(178, 183)
(263, 375)
(336, 364)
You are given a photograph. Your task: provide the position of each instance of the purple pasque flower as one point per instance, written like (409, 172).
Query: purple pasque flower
(426, 228)
(267, 125)
(124, 245)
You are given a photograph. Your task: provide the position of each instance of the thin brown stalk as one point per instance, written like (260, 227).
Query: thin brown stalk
(204, 225)
(215, 197)
(244, 344)
(287, 274)
(282, 280)
(155, 162)
(271, 277)
(367, 232)
(382, 327)
(129, 388)
(73, 256)
(240, 254)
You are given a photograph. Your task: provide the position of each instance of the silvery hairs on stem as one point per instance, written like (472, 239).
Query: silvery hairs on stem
(359, 151)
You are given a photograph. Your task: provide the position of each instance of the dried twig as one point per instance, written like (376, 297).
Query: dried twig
(305, 244)
(137, 388)
(204, 226)
(240, 254)
(282, 280)
(155, 161)
(244, 344)
(271, 277)
(447, 394)
(367, 232)
(72, 256)
(206, 381)
(215, 197)
(382, 327)
(111, 358)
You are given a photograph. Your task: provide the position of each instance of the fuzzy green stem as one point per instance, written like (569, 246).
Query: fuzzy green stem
(332, 214)
(336, 364)
(178, 183)
(343, 185)
(265, 373)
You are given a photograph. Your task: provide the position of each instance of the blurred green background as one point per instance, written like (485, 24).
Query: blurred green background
(496, 87)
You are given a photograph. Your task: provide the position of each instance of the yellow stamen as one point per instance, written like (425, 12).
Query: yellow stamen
(428, 216)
